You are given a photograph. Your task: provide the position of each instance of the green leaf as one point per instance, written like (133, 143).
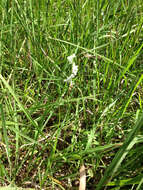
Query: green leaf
(121, 154)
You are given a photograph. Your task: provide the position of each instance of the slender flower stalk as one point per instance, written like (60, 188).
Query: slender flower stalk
(74, 68)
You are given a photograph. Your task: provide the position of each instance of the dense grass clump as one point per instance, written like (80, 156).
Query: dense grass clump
(54, 119)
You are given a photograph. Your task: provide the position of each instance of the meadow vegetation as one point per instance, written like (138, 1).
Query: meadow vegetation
(51, 126)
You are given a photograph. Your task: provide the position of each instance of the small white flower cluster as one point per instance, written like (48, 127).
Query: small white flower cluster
(74, 68)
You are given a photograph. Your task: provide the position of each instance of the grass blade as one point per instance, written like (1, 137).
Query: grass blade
(120, 156)
(18, 102)
(5, 136)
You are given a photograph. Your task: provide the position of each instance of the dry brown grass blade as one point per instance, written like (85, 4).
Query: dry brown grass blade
(82, 185)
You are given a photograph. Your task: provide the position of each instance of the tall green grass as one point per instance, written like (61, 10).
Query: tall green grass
(50, 127)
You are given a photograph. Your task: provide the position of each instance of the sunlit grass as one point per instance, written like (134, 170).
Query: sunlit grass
(54, 118)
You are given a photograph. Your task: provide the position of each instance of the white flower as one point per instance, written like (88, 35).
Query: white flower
(70, 58)
(74, 68)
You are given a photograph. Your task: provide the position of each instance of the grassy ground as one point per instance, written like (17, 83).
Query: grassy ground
(50, 127)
